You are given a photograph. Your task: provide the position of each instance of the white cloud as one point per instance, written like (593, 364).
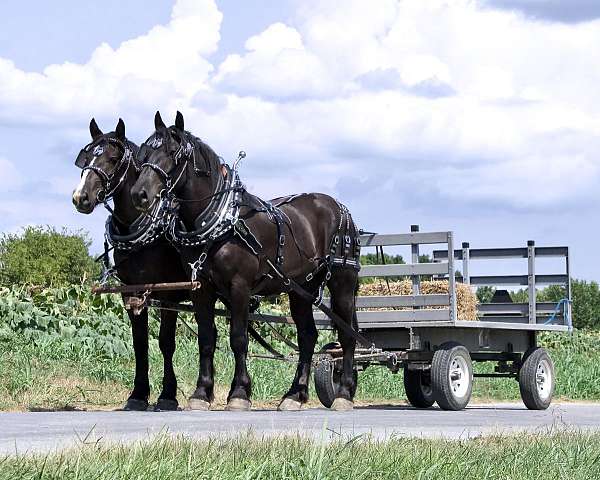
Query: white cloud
(448, 97)
(276, 65)
(167, 65)
(490, 96)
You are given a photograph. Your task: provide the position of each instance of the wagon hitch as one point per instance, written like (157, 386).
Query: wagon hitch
(137, 304)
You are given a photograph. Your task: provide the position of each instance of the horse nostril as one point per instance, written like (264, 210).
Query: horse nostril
(140, 198)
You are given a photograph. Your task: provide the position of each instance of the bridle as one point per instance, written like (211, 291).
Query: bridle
(94, 150)
(186, 151)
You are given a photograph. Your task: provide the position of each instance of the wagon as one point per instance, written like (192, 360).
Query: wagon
(423, 335)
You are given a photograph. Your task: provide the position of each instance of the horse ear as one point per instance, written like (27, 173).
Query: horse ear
(158, 121)
(95, 131)
(179, 121)
(120, 130)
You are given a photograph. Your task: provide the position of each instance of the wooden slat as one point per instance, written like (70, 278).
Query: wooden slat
(511, 326)
(383, 316)
(491, 253)
(400, 269)
(518, 308)
(384, 301)
(497, 280)
(424, 238)
(390, 301)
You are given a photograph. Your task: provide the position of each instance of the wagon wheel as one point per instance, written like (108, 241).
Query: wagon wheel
(417, 385)
(537, 379)
(327, 381)
(452, 376)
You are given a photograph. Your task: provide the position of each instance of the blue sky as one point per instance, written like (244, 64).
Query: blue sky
(478, 116)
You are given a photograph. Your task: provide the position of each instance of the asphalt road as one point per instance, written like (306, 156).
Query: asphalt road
(48, 431)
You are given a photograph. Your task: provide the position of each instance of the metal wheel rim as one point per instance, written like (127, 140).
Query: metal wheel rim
(459, 377)
(543, 379)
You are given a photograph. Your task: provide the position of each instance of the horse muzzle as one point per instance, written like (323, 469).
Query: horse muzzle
(82, 202)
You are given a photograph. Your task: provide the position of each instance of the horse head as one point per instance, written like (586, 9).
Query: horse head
(104, 162)
(173, 161)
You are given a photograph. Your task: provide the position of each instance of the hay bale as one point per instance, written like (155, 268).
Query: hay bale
(466, 300)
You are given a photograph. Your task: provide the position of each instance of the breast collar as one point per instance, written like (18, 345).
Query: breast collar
(217, 219)
(144, 230)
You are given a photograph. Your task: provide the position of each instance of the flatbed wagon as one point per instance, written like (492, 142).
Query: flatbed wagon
(423, 334)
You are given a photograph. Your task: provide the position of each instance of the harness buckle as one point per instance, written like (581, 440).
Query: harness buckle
(309, 277)
(282, 240)
(197, 266)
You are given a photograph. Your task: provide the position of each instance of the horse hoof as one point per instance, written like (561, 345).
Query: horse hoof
(342, 405)
(166, 404)
(238, 405)
(136, 405)
(198, 404)
(289, 405)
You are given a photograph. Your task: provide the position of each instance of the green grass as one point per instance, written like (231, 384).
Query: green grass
(557, 456)
(64, 348)
(51, 374)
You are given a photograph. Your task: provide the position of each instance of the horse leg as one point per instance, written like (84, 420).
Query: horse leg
(307, 338)
(138, 399)
(204, 311)
(239, 394)
(167, 400)
(342, 285)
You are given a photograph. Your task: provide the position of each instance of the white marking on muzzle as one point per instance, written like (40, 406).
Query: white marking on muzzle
(79, 188)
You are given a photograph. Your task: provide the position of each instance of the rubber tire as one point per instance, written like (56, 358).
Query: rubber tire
(440, 380)
(528, 379)
(413, 385)
(326, 380)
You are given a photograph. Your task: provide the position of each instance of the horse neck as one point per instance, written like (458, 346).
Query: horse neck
(125, 211)
(196, 194)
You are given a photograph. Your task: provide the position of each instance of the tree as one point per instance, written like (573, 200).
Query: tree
(585, 296)
(373, 259)
(586, 304)
(43, 256)
(485, 294)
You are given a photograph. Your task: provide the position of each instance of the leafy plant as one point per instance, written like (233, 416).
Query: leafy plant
(45, 257)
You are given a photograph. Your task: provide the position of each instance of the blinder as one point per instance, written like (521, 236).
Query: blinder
(82, 159)
(143, 154)
(87, 153)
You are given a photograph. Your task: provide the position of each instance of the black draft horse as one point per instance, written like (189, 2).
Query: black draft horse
(109, 170)
(300, 242)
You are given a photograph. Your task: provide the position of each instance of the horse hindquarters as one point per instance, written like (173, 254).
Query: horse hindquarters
(343, 285)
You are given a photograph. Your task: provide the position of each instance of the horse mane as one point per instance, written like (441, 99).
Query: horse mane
(206, 151)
